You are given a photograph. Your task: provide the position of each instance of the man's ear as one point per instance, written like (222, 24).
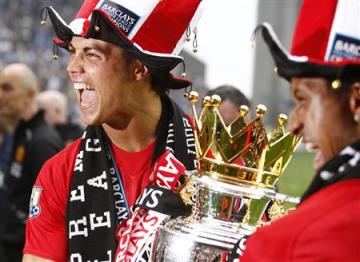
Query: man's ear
(355, 98)
(140, 71)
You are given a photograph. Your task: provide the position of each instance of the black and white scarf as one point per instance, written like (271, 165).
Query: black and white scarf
(345, 165)
(97, 203)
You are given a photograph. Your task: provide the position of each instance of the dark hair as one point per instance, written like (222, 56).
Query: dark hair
(128, 56)
(158, 77)
(159, 80)
(345, 87)
(231, 93)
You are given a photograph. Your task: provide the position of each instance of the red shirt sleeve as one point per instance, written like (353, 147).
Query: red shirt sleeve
(45, 227)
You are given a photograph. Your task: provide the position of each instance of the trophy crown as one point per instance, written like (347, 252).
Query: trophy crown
(242, 152)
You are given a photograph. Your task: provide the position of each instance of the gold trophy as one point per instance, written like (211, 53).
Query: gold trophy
(233, 187)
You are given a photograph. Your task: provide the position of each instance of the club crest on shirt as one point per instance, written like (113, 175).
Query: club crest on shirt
(34, 208)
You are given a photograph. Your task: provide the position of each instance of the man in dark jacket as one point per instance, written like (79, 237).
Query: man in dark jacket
(34, 142)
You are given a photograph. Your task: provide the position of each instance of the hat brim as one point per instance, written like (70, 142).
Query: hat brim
(109, 33)
(289, 66)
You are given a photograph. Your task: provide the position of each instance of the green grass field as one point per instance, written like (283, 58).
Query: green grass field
(298, 174)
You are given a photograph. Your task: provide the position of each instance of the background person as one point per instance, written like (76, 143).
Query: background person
(137, 140)
(232, 98)
(5, 151)
(324, 77)
(33, 143)
(54, 104)
(5, 148)
(6, 138)
(8, 118)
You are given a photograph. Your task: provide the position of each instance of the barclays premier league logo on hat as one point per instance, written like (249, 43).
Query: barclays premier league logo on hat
(120, 16)
(345, 47)
(34, 208)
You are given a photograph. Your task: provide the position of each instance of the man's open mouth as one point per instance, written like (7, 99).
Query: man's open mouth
(87, 94)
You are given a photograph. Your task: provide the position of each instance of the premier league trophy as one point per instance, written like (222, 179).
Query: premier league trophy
(233, 188)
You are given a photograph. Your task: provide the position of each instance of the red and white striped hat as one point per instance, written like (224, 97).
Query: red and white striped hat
(153, 30)
(326, 41)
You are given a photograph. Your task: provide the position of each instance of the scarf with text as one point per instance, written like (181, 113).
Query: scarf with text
(345, 165)
(97, 205)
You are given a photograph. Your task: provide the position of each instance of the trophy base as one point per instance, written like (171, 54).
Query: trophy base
(205, 240)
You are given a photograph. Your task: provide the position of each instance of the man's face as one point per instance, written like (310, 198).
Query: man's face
(322, 118)
(12, 97)
(228, 111)
(101, 79)
(56, 115)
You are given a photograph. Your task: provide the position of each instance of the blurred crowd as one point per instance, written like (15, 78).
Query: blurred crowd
(22, 38)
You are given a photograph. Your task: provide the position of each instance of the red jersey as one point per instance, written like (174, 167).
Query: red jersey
(325, 227)
(46, 232)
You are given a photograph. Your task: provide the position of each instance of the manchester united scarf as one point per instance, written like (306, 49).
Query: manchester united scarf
(97, 206)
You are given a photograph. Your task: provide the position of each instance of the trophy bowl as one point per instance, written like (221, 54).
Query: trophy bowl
(205, 240)
(224, 215)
